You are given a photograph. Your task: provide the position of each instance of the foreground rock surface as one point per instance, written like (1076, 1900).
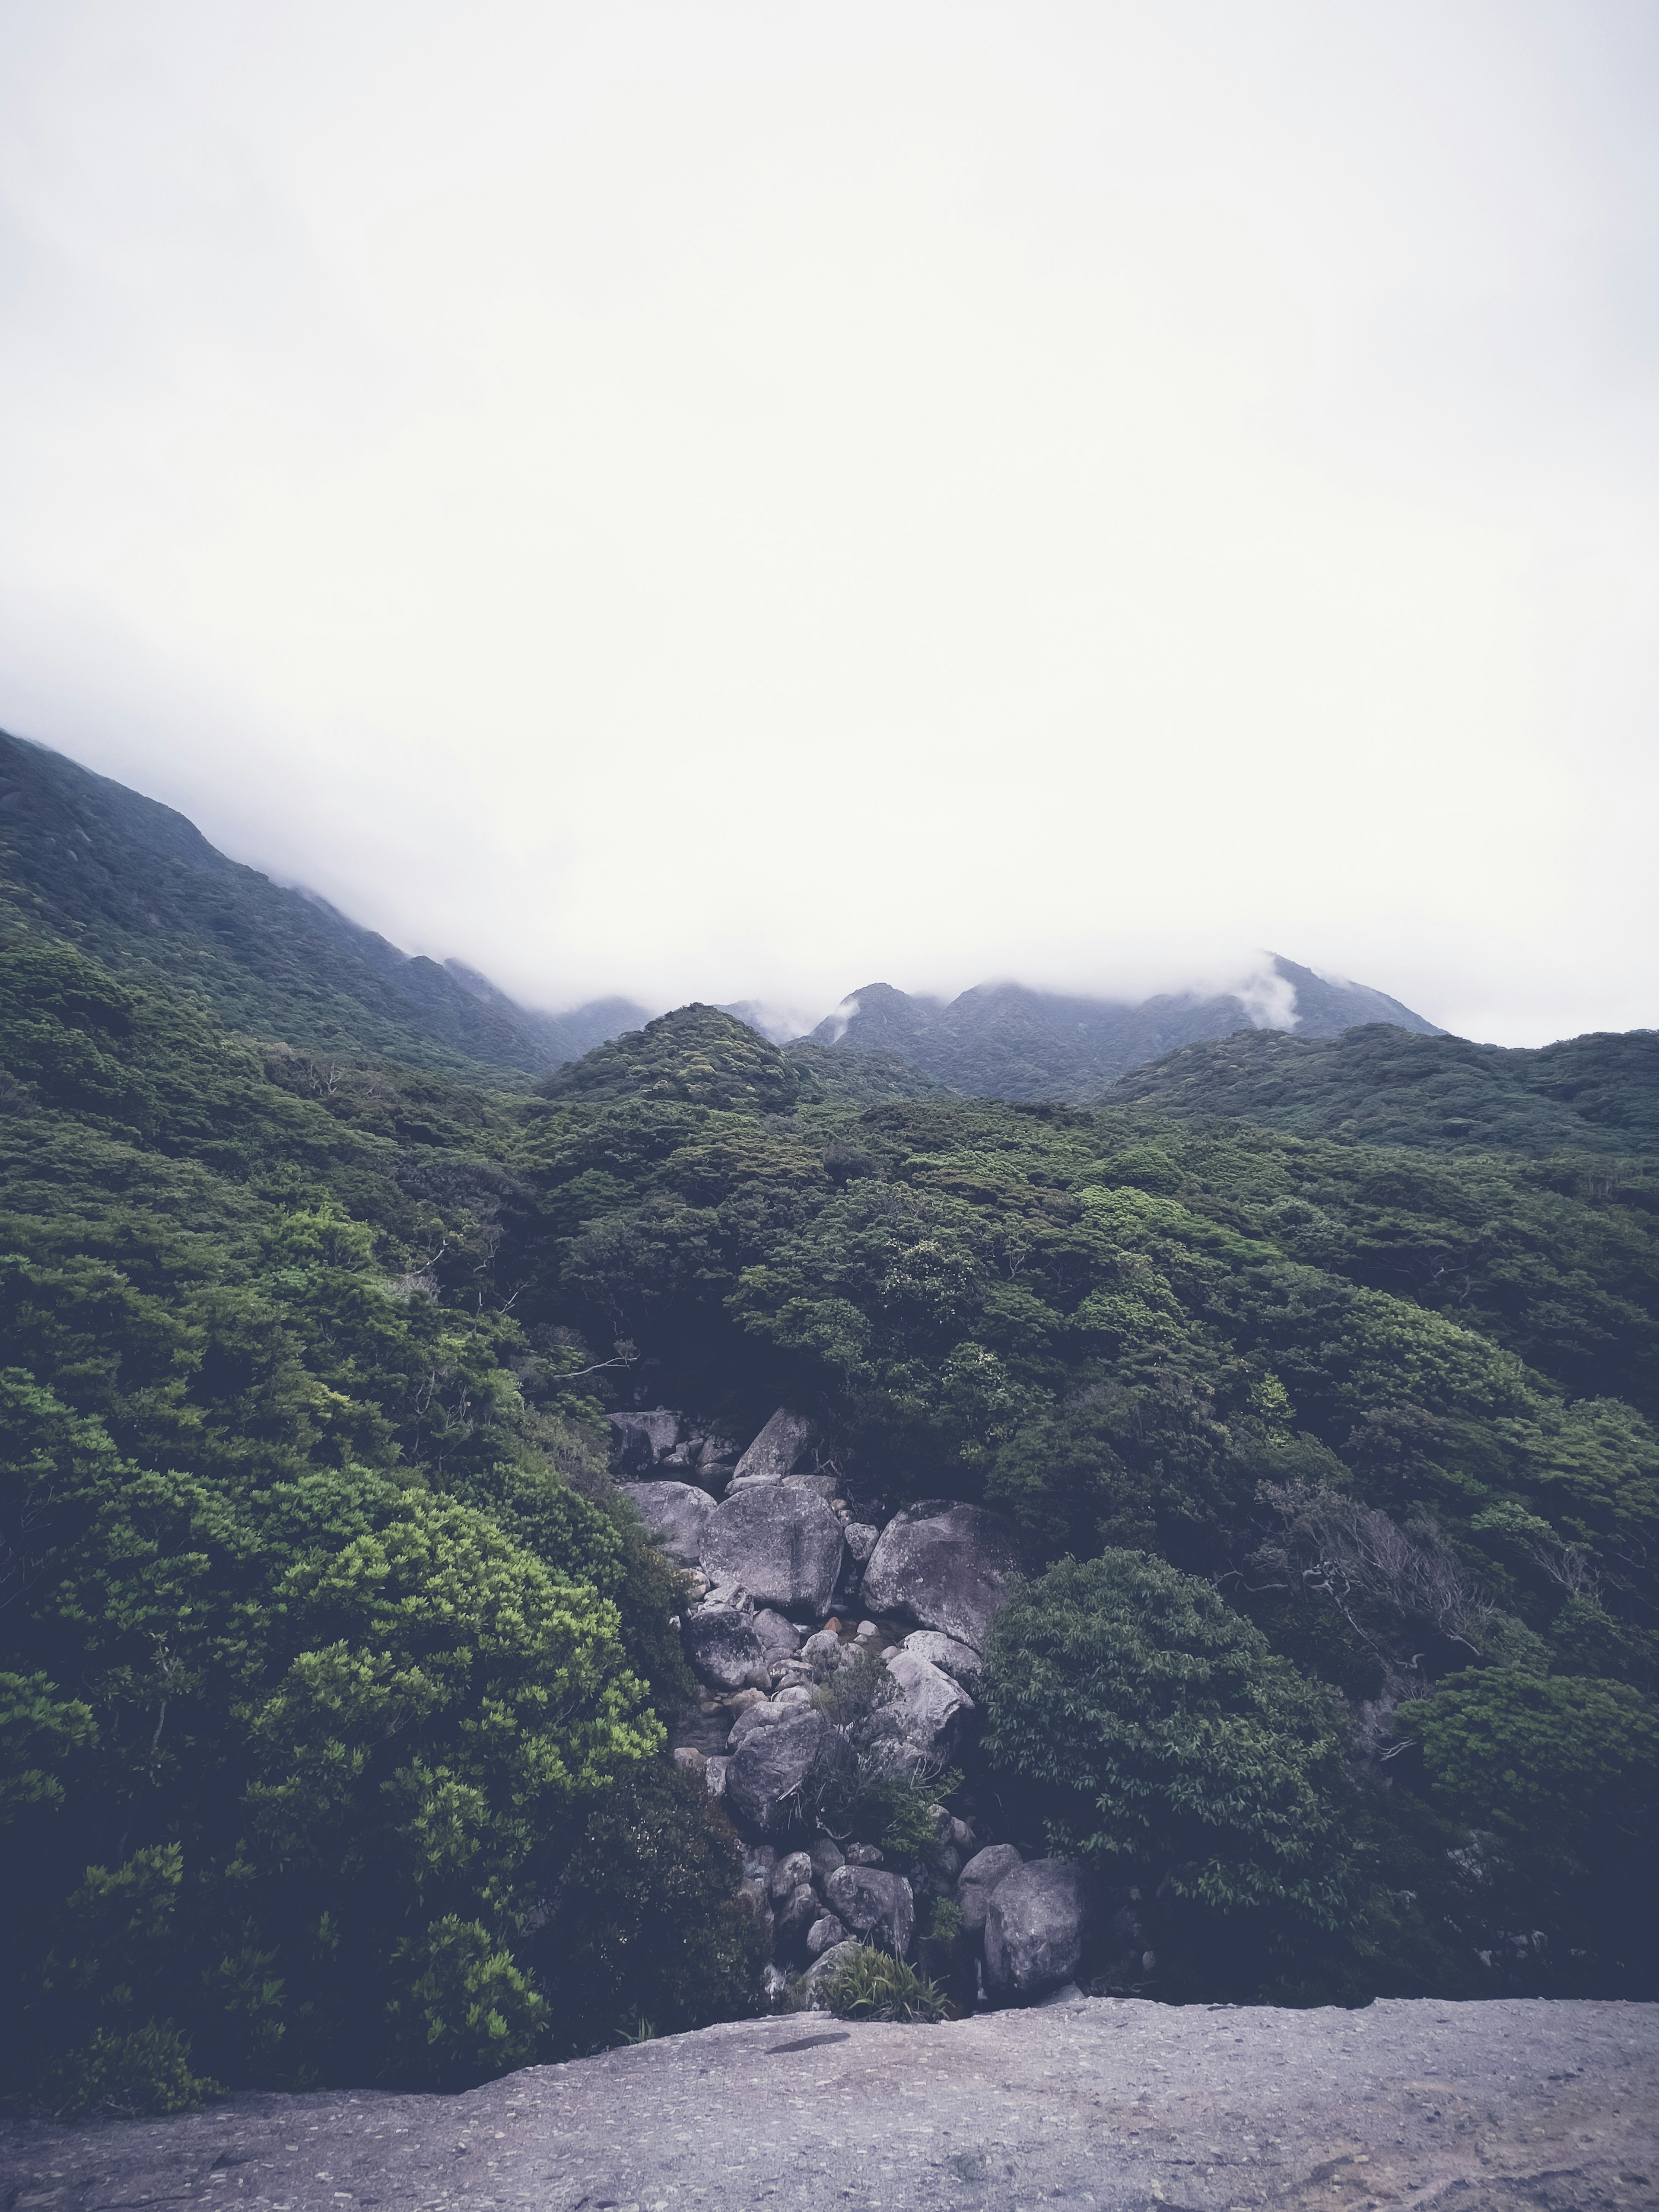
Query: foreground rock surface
(1111, 2102)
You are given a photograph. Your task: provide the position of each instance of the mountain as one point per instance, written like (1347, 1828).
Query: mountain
(704, 1056)
(136, 886)
(1006, 1041)
(1378, 1086)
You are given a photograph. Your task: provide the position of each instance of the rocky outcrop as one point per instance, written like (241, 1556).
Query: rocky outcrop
(775, 1451)
(676, 1513)
(1035, 1920)
(943, 1566)
(782, 1544)
(776, 1777)
(660, 1441)
(722, 1649)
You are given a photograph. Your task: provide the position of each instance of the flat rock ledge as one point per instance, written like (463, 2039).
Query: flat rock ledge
(1093, 2102)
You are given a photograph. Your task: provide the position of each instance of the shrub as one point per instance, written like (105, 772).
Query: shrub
(1153, 1732)
(647, 1925)
(874, 1985)
(465, 2013)
(141, 2073)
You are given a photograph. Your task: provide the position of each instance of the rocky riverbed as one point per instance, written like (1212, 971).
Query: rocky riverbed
(1102, 2102)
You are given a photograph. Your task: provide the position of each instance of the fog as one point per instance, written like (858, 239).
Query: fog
(744, 501)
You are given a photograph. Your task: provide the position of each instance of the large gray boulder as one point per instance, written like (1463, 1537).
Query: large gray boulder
(1035, 1925)
(929, 1709)
(979, 1878)
(959, 1660)
(676, 1513)
(783, 1545)
(873, 1903)
(777, 1776)
(945, 1567)
(781, 1637)
(722, 1649)
(775, 1450)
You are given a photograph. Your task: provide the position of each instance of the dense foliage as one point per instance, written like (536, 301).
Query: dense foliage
(329, 1651)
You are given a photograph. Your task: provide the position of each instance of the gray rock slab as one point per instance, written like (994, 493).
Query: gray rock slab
(782, 1543)
(943, 1565)
(1514, 2107)
(777, 1449)
(676, 1513)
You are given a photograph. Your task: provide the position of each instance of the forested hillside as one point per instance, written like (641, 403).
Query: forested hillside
(1379, 1084)
(335, 1661)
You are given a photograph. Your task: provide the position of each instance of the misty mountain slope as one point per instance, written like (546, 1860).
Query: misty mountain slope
(1006, 1041)
(700, 1055)
(1380, 1085)
(138, 887)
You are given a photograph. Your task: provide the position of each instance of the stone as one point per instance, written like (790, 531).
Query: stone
(783, 1545)
(644, 1439)
(873, 1902)
(1035, 1920)
(795, 1917)
(826, 1644)
(794, 1868)
(777, 1774)
(690, 1758)
(959, 1660)
(823, 1931)
(827, 1855)
(722, 1649)
(758, 1862)
(863, 1854)
(979, 1878)
(760, 1716)
(867, 1631)
(825, 1965)
(777, 1449)
(862, 1537)
(945, 1567)
(714, 1773)
(795, 1694)
(676, 1514)
(929, 1709)
(822, 1486)
(779, 1635)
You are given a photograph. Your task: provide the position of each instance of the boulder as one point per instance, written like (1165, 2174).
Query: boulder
(862, 1537)
(645, 1439)
(675, 1513)
(824, 1646)
(714, 1773)
(821, 1933)
(760, 1716)
(959, 1660)
(979, 1878)
(777, 1449)
(943, 1566)
(796, 1914)
(827, 1856)
(782, 1545)
(776, 1774)
(873, 1903)
(792, 1870)
(687, 1756)
(722, 1649)
(1035, 1924)
(780, 1636)
(928, 1710)
(825, 1965)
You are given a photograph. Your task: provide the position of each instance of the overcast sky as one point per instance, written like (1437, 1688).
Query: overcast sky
(745, 500)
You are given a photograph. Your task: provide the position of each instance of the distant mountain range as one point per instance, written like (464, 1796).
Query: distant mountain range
(137, 886)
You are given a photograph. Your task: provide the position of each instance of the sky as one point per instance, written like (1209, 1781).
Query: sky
(744, 501)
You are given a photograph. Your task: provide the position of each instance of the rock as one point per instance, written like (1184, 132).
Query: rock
(945, 1567)
(795, 1915)
(643, 1440)
(929, 1709)
(1035, 1924)
(979, 1878)
(676, 1514)
(821, 1933)
(825, 1965)
(777, 1774)
(714, 1773)
(867, 1633)
(822, 1486)
(722, 1649)
(794, 1868)
(1067, 1993)
(826, 1644)
(779, 1635)
(795, 1696)
(773, 1984)
(863, 1854)
(758, 1862)
(827, 1855)
(782, 1545)
(745, 1700)
(873, 1902)
(760, 1716)
(861, 1538)
(777, 1449)
(959, 1660)
(690, 1758)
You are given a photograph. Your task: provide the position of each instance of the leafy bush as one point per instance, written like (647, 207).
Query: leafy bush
(647, 1925)
(144, 2072)
(872, 1984)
